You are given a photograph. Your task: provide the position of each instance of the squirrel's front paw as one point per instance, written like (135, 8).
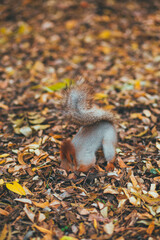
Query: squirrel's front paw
(84, 168)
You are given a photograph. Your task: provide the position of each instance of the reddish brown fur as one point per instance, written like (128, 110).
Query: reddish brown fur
(67, 149)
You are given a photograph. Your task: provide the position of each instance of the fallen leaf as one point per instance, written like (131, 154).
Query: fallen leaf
(43, 230)
(81, 229)
(109, 228)
(151, 227)
(29, 213)
(4, 212)
(16, 187)
(4, 232)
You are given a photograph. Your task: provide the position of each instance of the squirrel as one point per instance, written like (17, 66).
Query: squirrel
(97, 130)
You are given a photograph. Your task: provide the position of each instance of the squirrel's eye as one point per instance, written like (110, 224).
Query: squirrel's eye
(71, 157)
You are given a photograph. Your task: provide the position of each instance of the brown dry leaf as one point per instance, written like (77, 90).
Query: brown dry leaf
(4, 212)
(83, 211)
(38, 66)
(41, 217)
(133, 180)
(147, 199)
(41, 229)
(121, 163)
(115, 46)
(3, 106)
(20, 158)
(55, 204)
(104, 212)
(110, 189)
(29, 213)
(23, 200)
(27, 191)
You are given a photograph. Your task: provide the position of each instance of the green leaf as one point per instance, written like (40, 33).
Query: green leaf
(58, 86)
(153, 171)
(55, 87)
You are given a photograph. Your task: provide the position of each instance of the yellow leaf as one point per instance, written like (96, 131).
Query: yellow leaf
(134, 46)
(68, 238)
(99, 96)
(95, 224)
(16, 187)
(106, 34)
(24, 28)
(137, 84)
(4, 155)
(1, 181)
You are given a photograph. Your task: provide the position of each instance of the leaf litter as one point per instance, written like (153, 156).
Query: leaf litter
(44, 46)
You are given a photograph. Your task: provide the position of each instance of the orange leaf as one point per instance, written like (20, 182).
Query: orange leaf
(43, 230)
(41, 205)
(121, 163)
(4, 232)
(81, 229)
(20, 158)
(150, 228)
(4, 212)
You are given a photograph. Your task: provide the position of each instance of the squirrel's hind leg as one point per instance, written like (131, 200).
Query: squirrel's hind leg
(109, 147)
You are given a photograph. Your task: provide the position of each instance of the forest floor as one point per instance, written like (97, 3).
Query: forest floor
(115, 46)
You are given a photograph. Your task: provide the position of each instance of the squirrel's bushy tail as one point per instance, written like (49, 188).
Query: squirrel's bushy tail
(80, 109)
